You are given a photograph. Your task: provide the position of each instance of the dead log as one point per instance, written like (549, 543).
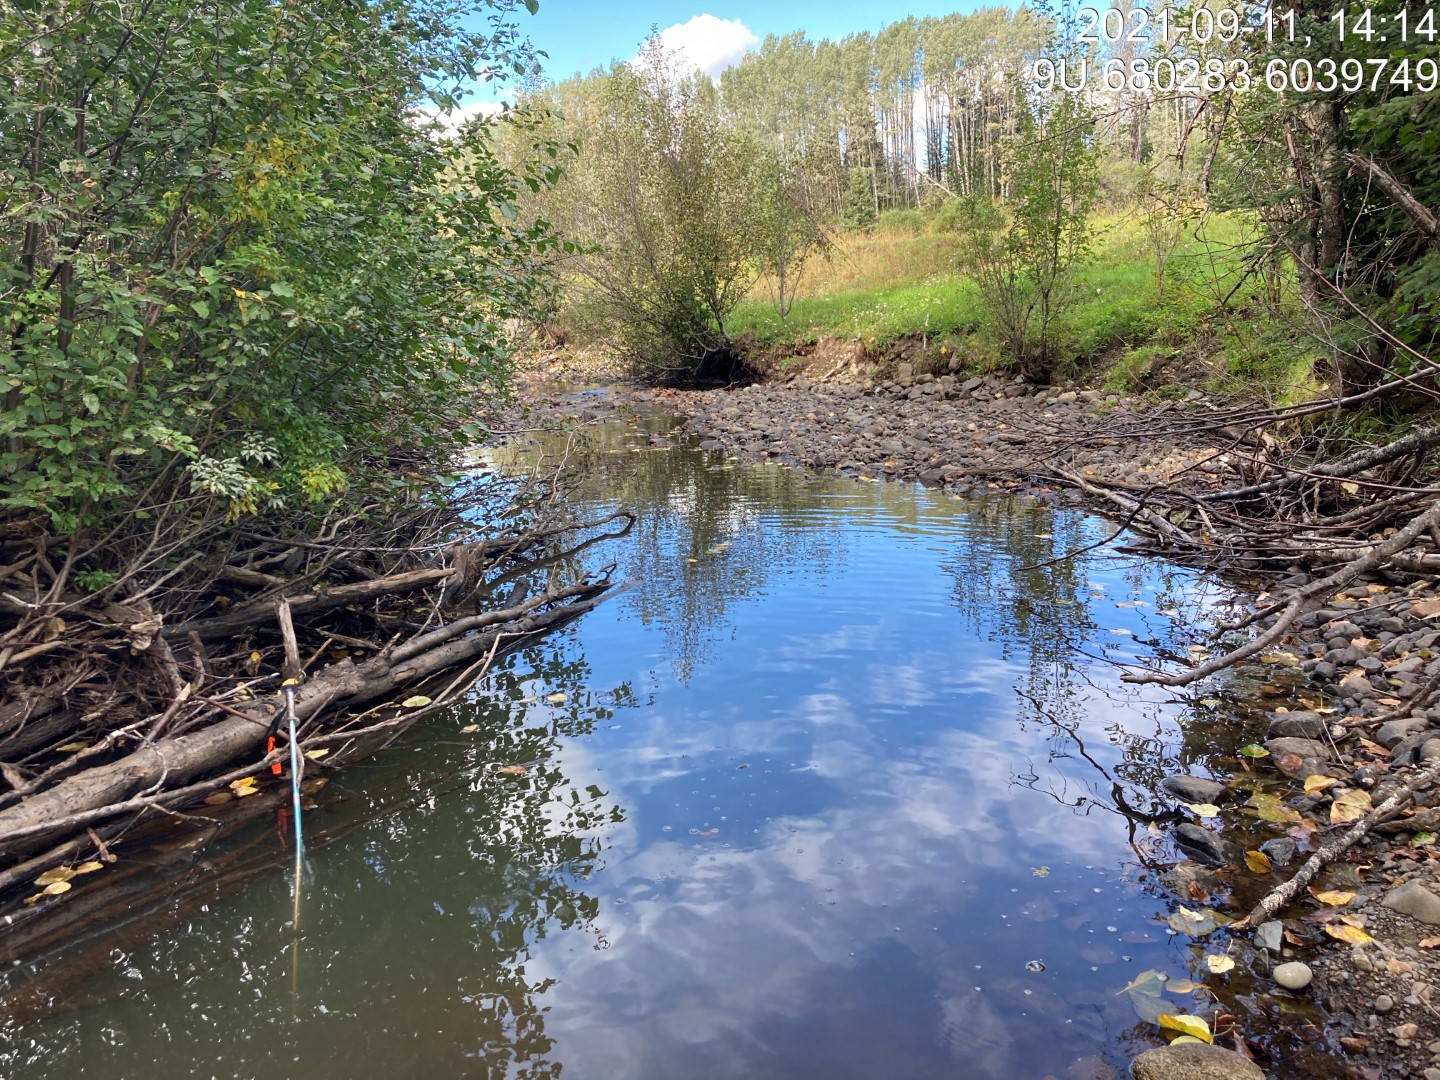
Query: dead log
(246, 615)
(137, 780)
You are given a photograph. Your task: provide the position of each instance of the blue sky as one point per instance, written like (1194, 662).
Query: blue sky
(583, 34)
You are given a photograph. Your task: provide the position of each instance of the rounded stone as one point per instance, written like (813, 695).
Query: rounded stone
(1194, 1061)
(1293, 976)
(1384, 1004)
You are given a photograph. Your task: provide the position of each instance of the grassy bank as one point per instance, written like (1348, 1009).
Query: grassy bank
(1209, 326)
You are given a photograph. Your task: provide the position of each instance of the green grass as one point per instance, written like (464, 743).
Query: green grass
(1123, 330)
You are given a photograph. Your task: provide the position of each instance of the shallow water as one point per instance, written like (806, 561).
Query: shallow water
(844, 785)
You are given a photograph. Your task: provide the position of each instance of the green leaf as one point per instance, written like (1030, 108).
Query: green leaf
(200, 308)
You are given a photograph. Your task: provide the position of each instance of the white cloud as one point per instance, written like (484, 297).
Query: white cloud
(453, 119)
(710, 44)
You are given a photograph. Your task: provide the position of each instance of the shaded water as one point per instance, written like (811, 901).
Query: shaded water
(844, 786)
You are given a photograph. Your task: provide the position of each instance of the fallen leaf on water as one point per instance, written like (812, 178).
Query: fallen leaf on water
(55, 888)
(89, 867)
(244, 786)
(1196, 923)
(1218, 963)
(54, 874)
(1169, 613)
(1204, 810)
(1351, 935)
(512, 770)
(1318, 782)
(1180, 986)
(34, 898)
(1254, 751)
(417, 702)
(1271, 808)
(709, 833)
(555, 699)
(1144, 991)
(316, 755)
(469, 728)
(1193, 1026)
(1258, 862)
(218, 797)
(1040, 871)
(1332, 897)
(1349, 806)
(1211, 702)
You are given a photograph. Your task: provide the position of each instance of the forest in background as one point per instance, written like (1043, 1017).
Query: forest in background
(1307, 200)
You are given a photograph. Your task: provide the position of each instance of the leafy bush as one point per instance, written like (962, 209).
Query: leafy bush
(235, 264)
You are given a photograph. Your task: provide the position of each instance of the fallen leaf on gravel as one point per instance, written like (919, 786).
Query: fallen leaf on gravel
(1332, 897)
(1258, 862)
(1349, 806)
(1218, 963)
(1271, 808)
(1351, 935)
(1318, 782)
(1193, 1026)
(1290, 764)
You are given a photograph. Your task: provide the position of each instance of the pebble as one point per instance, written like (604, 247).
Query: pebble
(1270, 936)
(1384, 1004)
(1294, 975)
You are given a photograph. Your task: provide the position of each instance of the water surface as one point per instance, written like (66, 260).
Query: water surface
(844, 785)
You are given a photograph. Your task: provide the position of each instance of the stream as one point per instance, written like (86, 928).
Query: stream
(844, 784)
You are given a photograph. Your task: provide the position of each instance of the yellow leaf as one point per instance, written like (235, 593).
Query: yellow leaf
(1272, 809)
(89, 867)
(555, 699)
(316, 755)
(1193, 1026)
(244, 786)
(34, 898)
(416, 702)
(512, 770)
(1204, 810)
(1351, 935)
(1186, 1039)
(71, 747)
(1349, 806)
(1257, 862)
(54, 874)
(1332, 897)
(470, 727)
(254, 657)
(55, 888)
(1318, 782)
(1180, 986)
(1350, 487)
(1218, 963)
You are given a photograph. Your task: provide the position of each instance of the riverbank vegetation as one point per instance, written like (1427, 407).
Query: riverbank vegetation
(253, 304)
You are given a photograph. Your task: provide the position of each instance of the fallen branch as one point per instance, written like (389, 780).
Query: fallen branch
(1280, 896)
